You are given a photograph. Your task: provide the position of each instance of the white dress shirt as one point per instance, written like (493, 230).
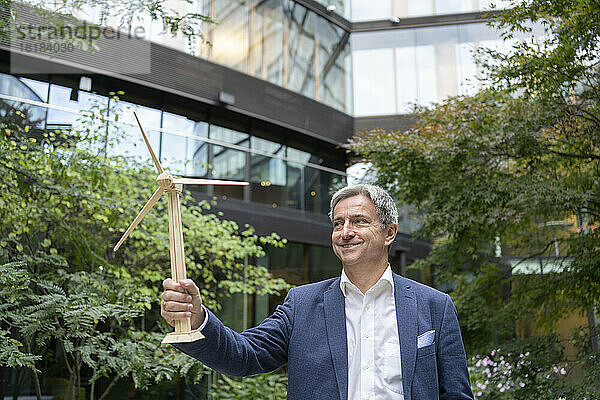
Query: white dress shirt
(373, 344)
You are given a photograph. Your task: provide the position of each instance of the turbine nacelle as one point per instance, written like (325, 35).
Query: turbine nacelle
(165, 181)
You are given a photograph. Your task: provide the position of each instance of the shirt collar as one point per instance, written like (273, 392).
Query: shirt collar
(345, 283)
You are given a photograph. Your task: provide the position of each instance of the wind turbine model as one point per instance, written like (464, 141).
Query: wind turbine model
(173, 187)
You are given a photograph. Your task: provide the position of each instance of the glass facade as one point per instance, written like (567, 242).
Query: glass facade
(395, 69)
(367, 10)
(284, 43)
(280, 175)
(338, 6)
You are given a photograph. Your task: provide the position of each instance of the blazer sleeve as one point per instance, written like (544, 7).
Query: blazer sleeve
(256, 350)
(453, 374)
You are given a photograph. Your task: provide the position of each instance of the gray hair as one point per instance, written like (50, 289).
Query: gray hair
(385, 207)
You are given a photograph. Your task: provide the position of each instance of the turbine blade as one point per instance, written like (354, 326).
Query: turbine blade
(149, 204)
(154, 158)
(193, 181)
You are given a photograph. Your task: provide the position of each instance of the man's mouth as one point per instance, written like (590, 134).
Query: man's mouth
(349, 245)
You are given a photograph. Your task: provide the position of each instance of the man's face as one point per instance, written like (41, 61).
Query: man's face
(358, 238)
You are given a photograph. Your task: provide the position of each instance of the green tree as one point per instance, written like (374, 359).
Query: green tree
(71, 308)
(497, 170)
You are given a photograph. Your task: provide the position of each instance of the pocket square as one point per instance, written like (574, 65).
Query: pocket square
(425, 339)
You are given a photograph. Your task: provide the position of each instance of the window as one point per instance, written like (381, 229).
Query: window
(324, 264)
(228, 163)
(267, 174)
(127, 135)
(181, 152)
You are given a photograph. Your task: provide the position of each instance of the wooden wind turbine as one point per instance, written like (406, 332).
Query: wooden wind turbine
(172, 186)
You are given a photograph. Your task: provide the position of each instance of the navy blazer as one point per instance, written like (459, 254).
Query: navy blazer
(308, 332)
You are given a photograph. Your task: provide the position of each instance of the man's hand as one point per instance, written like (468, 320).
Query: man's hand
(181, 300)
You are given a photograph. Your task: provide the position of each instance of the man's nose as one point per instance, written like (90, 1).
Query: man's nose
(348, 230)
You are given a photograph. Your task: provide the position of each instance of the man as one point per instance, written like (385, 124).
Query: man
(369, 334)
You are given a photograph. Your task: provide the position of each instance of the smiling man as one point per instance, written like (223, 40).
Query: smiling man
(368, 334)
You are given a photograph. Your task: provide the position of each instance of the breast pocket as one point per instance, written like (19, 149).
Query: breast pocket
(392, 375)
(426, 351)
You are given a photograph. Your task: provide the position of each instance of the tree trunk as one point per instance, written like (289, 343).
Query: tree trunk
(36, 383)
(71, 369)
(70, 387)
(110, 386)
(17, 387)
(593, 334)
(36, 380)
(131, 393)
(77, 375)
(180, 394)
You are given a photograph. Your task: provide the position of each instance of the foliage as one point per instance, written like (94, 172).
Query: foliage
(509, 373)
(67, 298)
(508, 179)
(13, 282)
(480, 299)
(272, 386)
(541, 372)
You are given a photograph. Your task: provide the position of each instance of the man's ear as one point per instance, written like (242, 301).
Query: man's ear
(390, 233)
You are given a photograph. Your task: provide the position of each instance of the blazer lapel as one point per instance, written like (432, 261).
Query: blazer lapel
(335, 321)
(406, 313)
